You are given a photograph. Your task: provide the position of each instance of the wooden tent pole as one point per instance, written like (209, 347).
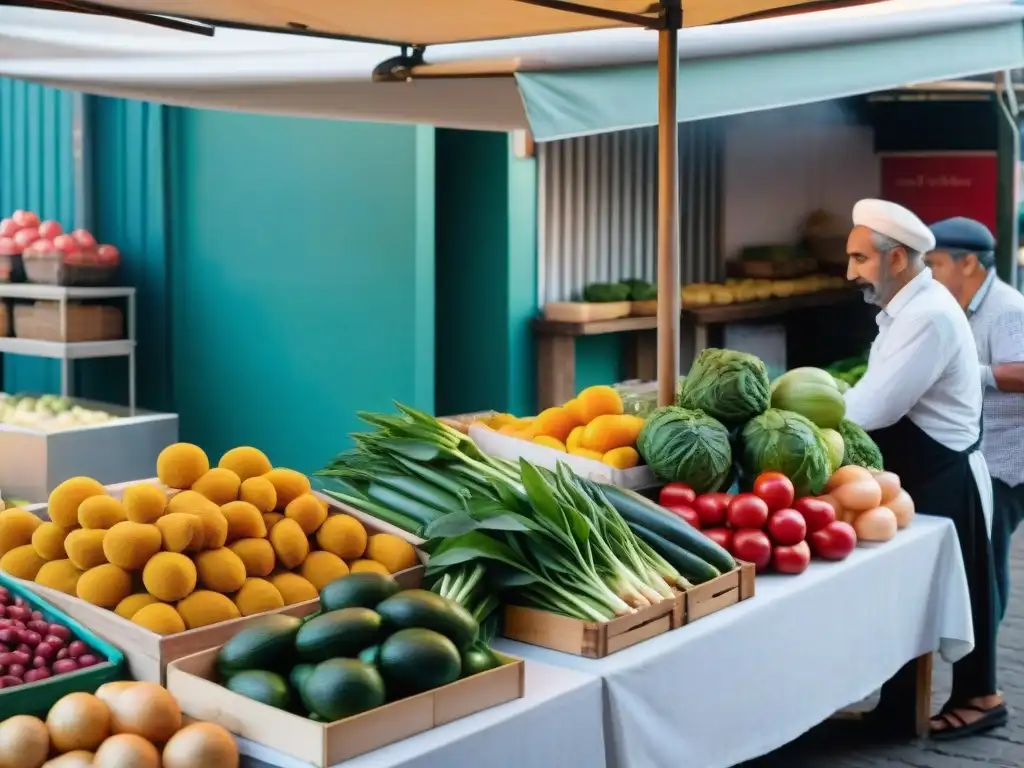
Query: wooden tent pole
(668, 204)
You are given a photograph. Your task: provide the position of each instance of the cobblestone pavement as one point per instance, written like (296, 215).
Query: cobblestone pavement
(830, 746)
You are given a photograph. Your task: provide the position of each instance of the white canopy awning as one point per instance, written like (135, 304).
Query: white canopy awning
(483, 85)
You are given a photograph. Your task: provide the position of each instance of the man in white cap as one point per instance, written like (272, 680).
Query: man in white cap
(920, 401)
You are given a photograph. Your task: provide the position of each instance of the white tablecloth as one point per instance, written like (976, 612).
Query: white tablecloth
(749, 679)
(557, 723)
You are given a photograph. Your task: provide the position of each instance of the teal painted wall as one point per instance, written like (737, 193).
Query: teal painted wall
(486, 273)
(129, 198)
(302, 274)
(36, 173)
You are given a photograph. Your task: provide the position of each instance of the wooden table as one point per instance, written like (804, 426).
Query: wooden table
(556, 341)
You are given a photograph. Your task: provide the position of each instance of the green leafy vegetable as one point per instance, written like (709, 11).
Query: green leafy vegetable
(686, 446)
(605, 292)
(641, 290)
(731, 386)
(786, 442)
(858, 448)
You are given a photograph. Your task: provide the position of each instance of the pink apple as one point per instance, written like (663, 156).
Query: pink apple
(25, 219)
(107, 254)
(8, 247)
(84, 238)
(66, 244)
(50, 229)
(8, 228)
(75, 257)
(26, 237)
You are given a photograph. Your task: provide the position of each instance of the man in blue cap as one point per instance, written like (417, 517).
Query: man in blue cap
(964, 261)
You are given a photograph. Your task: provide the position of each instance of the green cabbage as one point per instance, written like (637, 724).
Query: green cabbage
(811, 392)
(858, 448)
(731, 386)
(786, 442)
(686, 446)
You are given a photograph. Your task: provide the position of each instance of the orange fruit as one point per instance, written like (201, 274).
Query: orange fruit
(608, 432)
(597, 401)
(554, 422)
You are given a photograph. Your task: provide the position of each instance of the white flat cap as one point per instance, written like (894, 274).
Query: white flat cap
(894, 221)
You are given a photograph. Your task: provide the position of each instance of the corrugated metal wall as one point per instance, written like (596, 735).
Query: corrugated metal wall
(37, 172)
(597, 208)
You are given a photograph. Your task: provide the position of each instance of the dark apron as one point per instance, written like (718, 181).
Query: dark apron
(941, 483)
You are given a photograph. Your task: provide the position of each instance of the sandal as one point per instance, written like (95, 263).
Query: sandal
(958, 728)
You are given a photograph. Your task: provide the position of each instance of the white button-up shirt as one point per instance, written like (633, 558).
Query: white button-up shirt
(924, 365)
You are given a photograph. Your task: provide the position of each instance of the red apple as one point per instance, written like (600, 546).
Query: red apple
(792, 560)
(834, 542)
(8, 228)
(25, 219)
(108, 255)
(787, 527)
(84, 238)
(50, 229)
(25, 237)
(66, 244)
(753, 546)
(816, 513)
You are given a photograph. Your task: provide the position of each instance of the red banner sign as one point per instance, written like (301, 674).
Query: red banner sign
(938, 186)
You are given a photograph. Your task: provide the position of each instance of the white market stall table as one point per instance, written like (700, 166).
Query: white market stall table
(557, 723)
(749, 679)
(68, 351)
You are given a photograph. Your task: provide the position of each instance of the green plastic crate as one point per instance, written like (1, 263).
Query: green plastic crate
(37, 698)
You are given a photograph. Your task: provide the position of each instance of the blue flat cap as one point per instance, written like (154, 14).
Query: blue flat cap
(963, 234)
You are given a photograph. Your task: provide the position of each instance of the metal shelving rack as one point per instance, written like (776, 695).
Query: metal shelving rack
(68, 351)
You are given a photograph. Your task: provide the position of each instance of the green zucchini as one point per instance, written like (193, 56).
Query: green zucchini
(641, 511)
(692, 568)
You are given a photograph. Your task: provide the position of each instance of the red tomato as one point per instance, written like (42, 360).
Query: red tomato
(747, 511)
(50, 229)
(752, 546)
(775, 489)
(721, 536)
(677, 495)
(25, 219)
(834, 542)
(688, 514)
(711, 508)
(792, 560)
(787, 527)
(816, 513)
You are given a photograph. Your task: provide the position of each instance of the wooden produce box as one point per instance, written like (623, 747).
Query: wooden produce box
(34, 462)
(42, 321)
(191, 681)
(705, 599)
(507, 447)
(592, 639)
(147, 653)
(648, 308)
(585, 311)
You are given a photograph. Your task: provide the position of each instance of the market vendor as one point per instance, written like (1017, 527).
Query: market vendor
(921, 403)
(964, 261)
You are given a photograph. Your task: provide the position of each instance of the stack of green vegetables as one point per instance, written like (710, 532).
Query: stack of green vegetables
(731, 423)
(548, 540)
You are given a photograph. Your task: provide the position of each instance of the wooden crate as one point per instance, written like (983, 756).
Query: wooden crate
(647, 308)
(191, 681)
(592, 639)
(585, 311)
(705, 599)
(147, 654)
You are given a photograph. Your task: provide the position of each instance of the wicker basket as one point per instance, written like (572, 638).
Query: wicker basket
(41, 321)
(50, 269)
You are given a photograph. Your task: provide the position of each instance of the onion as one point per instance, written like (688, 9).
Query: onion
(60, 631)
(87, 660)
(77, 648)
(16, 670)
(9, 681)
(20, 657)
(63, 666)
(844, 475)
(858, 495)
(46, 651)
(28, 637)
(37, 616)
(37, 625)
(62, 654)
(34, 675)
(39, 662)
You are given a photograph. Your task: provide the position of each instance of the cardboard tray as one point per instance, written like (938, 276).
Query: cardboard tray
(190, 681)
(712, 596)
(504, 446)
(147, 654)
(585, 311)
(647, 308)
(592, 639)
